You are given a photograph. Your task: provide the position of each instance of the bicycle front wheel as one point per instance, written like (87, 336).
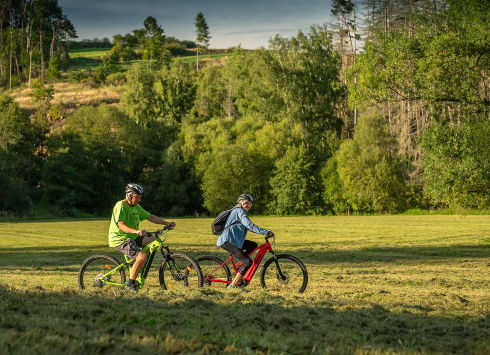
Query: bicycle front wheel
(208, 264)
(180, 271)
(287, 273)
(92, 271)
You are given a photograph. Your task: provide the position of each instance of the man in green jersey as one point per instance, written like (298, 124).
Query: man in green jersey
(124, 233)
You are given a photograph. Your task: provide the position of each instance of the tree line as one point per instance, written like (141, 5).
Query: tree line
(35, 36)
(382, 114)
(32, 35)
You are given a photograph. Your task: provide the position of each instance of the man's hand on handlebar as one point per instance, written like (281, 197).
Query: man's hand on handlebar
(171, 224)
(270, 233)
(141, 233)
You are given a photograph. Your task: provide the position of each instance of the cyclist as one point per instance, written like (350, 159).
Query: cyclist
(124, 233)
(233, 237)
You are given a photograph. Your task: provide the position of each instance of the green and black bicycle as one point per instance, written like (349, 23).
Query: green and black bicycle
(178, 270)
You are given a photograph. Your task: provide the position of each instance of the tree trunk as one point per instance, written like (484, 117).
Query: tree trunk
(151, 54)
(41, 49)
(386, 18)
(1, 36)
(28, 40)
(51, 46)
(17, 65)
(22, 41)
(11, 48)
(350, 37)
(29, 51)
(10, 70)
(372, 20)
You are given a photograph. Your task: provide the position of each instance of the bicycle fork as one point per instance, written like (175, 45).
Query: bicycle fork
(172, 265)
(279, 271)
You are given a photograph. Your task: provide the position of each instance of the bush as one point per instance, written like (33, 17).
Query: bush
(457, 163)
(116, 79)
(77, 76)
(370, 168)
(177, 49)
(293, 183)
(333, 187)
(100, 75)
(231, 171)
(15, 194)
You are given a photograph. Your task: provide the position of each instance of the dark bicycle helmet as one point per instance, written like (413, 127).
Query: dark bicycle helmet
(134, 188)
(244, 197)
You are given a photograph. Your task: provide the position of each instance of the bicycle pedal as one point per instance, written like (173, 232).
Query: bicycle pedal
(242, 283)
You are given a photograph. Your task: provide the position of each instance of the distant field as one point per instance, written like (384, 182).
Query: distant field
(88, 52)
(378, 285)
(205, 57)
(90, 58)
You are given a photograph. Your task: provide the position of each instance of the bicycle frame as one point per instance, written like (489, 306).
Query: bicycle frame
(151, 249)
(261, 251)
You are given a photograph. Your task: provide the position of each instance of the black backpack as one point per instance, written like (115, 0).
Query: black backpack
(218, 225)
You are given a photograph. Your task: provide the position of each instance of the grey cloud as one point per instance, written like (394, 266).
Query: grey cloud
(230, 21)
(254, 31)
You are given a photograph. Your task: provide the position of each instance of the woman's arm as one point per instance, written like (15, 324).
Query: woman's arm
(242, 216)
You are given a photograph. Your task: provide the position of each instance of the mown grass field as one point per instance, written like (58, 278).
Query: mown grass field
(377, 285)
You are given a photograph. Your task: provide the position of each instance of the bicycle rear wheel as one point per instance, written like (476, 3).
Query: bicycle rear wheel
(96, 266)
(208, 264)
(180, 271)
(288, 274)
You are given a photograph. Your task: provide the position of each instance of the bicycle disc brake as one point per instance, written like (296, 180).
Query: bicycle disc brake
(284, 279)
(182, 278)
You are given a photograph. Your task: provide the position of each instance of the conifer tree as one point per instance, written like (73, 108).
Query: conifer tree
(202, 33)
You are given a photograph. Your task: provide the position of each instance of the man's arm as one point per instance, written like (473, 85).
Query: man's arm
(158, 220)
(125, 228)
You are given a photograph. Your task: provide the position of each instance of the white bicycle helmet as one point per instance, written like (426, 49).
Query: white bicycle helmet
(134, 188)
(244, 197)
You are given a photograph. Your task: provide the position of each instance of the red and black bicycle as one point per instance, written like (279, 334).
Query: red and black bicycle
(280, 273)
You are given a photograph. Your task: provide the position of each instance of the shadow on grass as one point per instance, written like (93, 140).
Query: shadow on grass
(392, 254)
(211, 321)
(59, 255)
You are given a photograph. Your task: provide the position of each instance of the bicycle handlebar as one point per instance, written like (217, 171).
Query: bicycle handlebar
(159, 232)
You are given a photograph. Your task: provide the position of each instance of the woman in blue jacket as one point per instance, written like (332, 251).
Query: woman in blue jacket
(233, 237)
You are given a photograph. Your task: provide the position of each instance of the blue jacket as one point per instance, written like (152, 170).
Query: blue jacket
(236, 233)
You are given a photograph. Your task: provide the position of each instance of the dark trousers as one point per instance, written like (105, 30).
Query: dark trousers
(241, 254)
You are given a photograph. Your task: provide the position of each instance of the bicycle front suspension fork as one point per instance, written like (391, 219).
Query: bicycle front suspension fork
(278, 267)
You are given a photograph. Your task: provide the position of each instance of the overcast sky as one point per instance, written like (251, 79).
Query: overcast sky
(250, 23)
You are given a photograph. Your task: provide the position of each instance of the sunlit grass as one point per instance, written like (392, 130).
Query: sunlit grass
(88, 52)
(72, 95)
(387, 284)
(89, 59)
(205, 57)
